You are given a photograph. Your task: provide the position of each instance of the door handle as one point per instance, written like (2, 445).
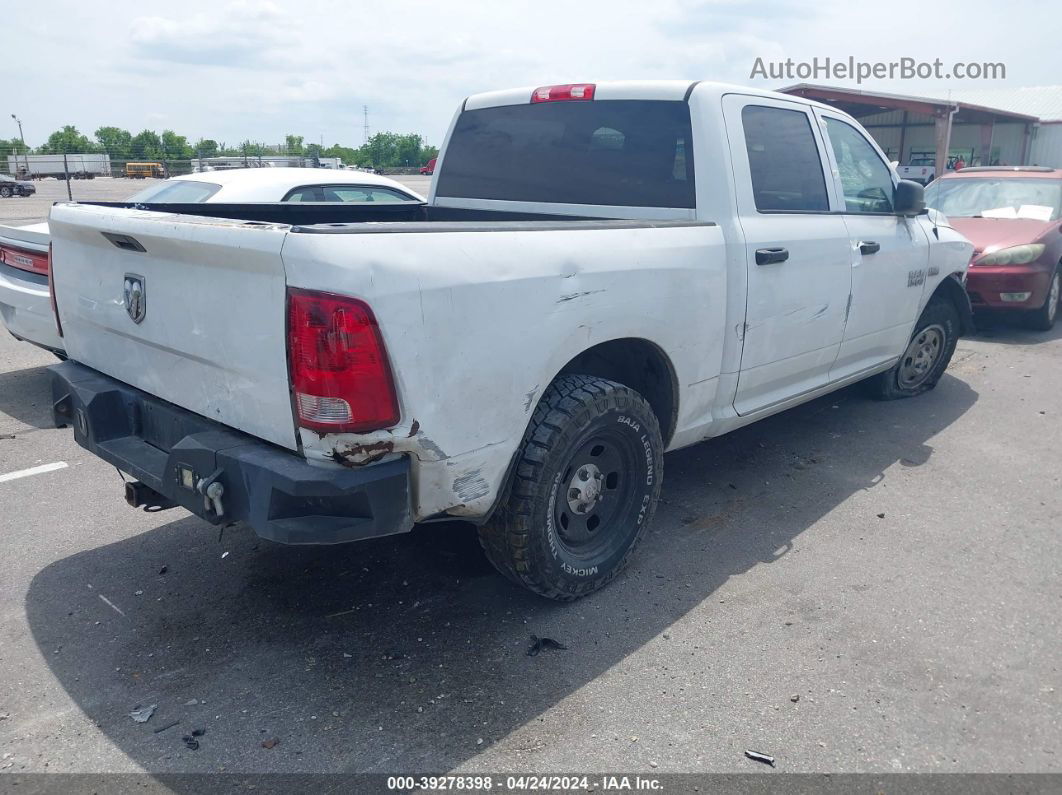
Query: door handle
(869, 247)
(769, 256)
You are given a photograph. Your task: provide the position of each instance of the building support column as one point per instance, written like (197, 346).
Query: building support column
(986, 143)
(942, 139)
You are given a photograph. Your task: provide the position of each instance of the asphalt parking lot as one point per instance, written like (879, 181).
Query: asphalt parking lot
(850, 586)
(19, 210)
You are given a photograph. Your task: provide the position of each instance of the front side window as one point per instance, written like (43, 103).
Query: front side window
(787, 173)
(865, 178)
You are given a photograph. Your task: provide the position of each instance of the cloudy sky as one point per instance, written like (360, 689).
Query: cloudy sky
(259, 69)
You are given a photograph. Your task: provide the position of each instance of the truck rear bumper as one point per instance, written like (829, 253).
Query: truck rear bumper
(179, 454)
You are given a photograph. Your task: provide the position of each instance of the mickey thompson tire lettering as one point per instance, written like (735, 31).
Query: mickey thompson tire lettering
(585, 488)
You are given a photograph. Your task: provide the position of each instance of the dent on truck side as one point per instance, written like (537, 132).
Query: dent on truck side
(476, 326)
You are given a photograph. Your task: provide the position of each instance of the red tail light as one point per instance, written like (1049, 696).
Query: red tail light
(339, 369)
(32, 261)
(570, 91)
(51, 293)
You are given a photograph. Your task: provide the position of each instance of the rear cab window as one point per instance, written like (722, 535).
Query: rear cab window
(631, 153)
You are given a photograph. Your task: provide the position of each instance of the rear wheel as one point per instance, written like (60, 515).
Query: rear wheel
(586, 485)
(5, 191)
(926, 357)
(1043, 319)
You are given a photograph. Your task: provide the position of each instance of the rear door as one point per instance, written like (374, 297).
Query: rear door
(890, 253)
(191, 310)
(797, 251)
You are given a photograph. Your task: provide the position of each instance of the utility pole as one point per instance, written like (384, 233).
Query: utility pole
(25, 151)
(365, 116)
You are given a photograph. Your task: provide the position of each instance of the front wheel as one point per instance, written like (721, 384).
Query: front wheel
(1043, 319)
(926, 357)
(586, 485)
(5, 191)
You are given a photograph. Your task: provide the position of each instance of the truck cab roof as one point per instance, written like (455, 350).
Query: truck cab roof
(674, 90)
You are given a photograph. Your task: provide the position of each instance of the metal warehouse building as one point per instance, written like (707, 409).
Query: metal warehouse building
(998, 126)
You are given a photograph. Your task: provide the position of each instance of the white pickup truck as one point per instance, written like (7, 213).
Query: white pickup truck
(602, 272)
(921, 170)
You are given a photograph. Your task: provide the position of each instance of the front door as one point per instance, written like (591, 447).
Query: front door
(797, 253)
(890, 253)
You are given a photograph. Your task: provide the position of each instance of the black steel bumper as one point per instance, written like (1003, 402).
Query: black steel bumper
(180, 455)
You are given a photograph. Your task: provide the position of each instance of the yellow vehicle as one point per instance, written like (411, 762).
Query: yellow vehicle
(142, 170)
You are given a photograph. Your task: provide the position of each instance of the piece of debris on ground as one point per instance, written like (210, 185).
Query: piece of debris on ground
(165, 726)
(758, 757)
(271, 742)
(143, 714)
(538, 644)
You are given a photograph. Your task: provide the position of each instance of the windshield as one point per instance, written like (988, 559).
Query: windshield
(180, 191)
(632, 153)
(991, 197)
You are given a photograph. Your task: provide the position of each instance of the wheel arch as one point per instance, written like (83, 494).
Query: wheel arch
(952, 290)
(634, 362)
(639, 364)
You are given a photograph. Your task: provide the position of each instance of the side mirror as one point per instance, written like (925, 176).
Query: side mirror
(909, 198)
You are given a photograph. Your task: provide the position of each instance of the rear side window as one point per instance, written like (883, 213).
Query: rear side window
(368, 193)
(630, 153)
(179, 191)
(786, 169)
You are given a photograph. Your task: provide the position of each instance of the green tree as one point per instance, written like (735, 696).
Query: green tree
(174, 146)
(67, 140)
(12, 147)
(293, 144)
(392, 150)
(146, 145)
(347, 154)
(206, 147)
(114, 141)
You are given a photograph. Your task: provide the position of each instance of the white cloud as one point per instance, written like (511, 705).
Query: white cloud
(241, 33)
(258, 69)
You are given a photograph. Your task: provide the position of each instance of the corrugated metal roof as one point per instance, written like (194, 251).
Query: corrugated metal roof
(1044, 102)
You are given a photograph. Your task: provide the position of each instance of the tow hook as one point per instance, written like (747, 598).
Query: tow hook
(212, 491)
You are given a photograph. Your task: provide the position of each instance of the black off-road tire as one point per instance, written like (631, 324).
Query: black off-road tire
(939, 317)
(545, 536)
(1043, 319)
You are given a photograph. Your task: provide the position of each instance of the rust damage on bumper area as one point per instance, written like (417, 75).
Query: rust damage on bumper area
(356, 455)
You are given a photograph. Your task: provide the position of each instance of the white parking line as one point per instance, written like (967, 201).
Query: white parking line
(25, 473)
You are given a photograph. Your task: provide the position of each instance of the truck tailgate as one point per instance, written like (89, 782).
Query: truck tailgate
(211, 337)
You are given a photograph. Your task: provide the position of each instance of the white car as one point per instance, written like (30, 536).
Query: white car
(25, 303)
(667, 262)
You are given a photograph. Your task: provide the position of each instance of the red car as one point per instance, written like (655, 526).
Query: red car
(429, 168)
(1012, 216)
